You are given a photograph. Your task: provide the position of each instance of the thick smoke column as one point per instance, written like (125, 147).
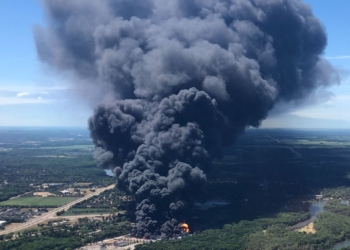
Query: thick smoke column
(188, 76)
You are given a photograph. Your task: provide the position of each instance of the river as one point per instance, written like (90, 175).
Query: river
(342, 244)
(315, 209)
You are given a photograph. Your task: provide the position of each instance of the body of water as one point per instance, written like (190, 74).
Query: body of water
(109, 172)
(342, 244)
(315, 209)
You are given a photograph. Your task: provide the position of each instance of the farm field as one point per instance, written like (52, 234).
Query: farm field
(319, 143)
(87, 146)
(38, 201)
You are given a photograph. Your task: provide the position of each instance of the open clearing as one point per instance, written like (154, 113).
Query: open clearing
(43, 194)
(38, 201)
(308, 229)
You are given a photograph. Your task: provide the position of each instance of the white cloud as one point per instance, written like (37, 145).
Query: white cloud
(22, 94)
(16, 100)
(337, 57)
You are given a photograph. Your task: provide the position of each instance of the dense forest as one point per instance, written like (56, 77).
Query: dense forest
(270, 173)
(265, 233)
(337, 207)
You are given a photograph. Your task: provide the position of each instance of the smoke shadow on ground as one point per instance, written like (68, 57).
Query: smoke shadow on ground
(271, 171)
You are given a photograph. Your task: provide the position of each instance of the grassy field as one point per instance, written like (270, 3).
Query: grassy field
(86, 211)
(38, 201)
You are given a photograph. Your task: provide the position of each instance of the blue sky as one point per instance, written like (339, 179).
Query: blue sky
(333, 113)
(32, 95)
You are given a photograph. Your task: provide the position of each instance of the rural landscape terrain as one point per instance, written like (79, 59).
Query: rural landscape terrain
(273, 189)
(167, 98)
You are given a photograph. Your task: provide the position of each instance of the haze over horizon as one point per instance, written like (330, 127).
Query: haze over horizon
(31, 94)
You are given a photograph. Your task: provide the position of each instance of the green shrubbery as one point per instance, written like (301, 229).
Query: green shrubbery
(265, 233)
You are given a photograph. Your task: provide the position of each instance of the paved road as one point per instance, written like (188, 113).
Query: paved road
(46, 216)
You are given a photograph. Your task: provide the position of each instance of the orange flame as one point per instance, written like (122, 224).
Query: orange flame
(184, 228)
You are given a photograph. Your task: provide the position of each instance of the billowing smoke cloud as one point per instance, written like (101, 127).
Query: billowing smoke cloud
(188, 76)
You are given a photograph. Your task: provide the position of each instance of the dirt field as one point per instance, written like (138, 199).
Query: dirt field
(43, 194)
(86, 190)
(12, 225)
(308, 229)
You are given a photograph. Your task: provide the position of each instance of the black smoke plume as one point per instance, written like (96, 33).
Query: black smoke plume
(187, 76)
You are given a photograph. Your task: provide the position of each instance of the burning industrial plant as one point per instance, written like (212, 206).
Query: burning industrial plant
(182, 79)
(184, 228)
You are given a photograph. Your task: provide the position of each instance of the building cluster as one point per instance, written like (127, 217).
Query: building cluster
(319, 196)
(125, 198)
(18, 214)
(42, 190)
(60, 189)
(123, 242)
(47, 185)
(58, 222)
